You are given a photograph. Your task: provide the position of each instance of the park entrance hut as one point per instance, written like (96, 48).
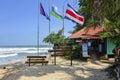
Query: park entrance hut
(92, 36)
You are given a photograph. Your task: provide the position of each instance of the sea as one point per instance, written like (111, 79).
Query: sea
(9, 54)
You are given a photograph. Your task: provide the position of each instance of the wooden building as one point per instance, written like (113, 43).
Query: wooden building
(91, 35)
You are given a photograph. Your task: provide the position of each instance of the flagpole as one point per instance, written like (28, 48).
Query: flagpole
(38, 28)
(63, 21)
(63, 24)
(49, 24)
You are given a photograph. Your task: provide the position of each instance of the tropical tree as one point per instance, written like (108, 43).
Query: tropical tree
(55, 38)
(111, 22)
(95, 11)
(105, 13)
(50, 38)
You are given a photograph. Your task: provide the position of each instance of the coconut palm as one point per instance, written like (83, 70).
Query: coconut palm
(111, 22)
(105, 13)
(96, 10)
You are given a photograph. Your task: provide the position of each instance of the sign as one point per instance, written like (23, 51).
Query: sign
(84, 49)
(79, 41)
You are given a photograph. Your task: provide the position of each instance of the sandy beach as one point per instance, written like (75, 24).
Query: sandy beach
(62, 71)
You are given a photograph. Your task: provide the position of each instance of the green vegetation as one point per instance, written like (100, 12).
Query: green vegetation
(105, 13)
(56, 38)
(77, 54)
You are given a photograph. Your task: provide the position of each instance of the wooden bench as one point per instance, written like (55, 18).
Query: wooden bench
(36, 59)
(61, 51)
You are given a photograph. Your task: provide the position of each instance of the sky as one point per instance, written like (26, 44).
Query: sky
(19, 21)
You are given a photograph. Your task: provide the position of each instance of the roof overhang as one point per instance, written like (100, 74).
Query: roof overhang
(87, 33)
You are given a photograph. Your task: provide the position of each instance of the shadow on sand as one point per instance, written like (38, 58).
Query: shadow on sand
(61, 71)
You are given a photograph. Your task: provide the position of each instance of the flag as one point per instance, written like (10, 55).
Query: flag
(74, 16)
(42, 11)
(55, 12)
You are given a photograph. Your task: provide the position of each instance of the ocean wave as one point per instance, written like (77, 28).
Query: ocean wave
(7, 55)
(23, 50)
(11, 54)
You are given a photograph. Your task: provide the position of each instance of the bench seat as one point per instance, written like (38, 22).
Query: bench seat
(37, 62)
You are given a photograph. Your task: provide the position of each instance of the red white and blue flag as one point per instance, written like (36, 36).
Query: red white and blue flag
(74, 16)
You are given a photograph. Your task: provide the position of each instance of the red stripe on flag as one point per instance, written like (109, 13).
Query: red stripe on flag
(74, 15)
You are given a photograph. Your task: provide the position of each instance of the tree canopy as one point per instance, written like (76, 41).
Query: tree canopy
(105, 13)
(55, 38)
(95, 11)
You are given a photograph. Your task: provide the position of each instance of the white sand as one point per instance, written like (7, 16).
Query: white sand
(62, 71)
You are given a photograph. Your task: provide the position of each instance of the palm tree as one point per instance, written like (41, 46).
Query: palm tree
(105, 13)
(96, 10)
(111, 22)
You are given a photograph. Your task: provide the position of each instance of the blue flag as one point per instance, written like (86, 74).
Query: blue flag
(42, 11)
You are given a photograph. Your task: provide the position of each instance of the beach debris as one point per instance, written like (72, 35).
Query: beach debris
(4, 67)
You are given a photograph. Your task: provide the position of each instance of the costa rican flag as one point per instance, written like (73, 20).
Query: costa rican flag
(74, 16)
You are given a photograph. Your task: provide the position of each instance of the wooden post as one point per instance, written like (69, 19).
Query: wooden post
(55, 56)
(42, 60)
(29, 61)
(71, 54)
(71, 60)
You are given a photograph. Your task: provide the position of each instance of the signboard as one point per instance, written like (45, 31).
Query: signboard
(84, 49)
(79, 41)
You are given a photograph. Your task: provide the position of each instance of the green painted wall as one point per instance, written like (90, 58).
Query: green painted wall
(110, 47)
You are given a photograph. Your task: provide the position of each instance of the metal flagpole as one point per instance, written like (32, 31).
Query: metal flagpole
(63, 22)
(49, 23)
(38, 28)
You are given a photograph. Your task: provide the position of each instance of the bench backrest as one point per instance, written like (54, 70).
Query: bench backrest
(65, 50)
(36, 56)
